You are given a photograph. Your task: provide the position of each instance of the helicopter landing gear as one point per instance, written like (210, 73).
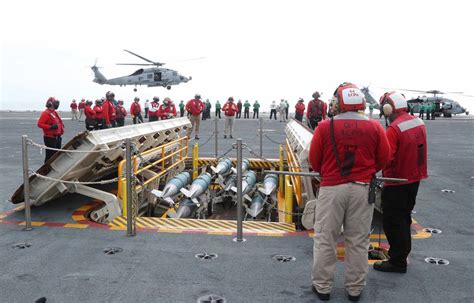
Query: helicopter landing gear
(135, 89)
(168, 87)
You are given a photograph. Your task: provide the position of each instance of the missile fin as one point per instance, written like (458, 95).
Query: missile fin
(170, 201)
(157, 193)
(196, 201)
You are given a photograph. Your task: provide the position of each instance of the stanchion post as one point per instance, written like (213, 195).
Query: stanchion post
(216, 132)
(239, 193)
(261, 136)
(282, 163)
(26, 182)
(195, 161)
(128, 176)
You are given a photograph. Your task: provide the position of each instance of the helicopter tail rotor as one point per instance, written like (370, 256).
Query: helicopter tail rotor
(99, 77)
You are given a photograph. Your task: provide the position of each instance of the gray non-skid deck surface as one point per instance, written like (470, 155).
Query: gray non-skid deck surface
(68, 265)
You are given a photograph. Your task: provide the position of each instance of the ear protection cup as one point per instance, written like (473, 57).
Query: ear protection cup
(387, 109)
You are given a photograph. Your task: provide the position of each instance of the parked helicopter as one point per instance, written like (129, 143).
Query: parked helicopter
(154, 76)
(443, 106)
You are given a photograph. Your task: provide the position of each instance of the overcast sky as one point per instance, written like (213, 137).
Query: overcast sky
(264, 50)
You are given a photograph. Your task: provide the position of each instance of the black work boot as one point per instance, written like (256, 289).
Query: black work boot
(386, 266)
(322, 297)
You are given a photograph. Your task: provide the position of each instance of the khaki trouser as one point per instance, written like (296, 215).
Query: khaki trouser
(228, 125)
(282, 115)
(347, 205)
(195, 121)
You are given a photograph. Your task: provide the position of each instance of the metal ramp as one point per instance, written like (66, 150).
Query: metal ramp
(298, 141)
(94, 156)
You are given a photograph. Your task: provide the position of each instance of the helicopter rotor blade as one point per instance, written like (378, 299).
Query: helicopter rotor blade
(458, 93)
(139, 64)
(408, 90)
(143, 58)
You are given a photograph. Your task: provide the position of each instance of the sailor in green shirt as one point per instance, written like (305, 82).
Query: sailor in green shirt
(181, 108)
(371, 110)
(246, 109)
(256, 106)
(218, 109)
(422, 110)
(428, 110)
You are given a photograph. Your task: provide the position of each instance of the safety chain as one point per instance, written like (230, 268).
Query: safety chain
(41, 146)
(114, 180)
(260, 157)
(208, 139)
(271, 140)
(226, 153)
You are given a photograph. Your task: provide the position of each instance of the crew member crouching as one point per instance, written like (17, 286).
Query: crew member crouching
(167, 110)
(347, 151)
(407, 138)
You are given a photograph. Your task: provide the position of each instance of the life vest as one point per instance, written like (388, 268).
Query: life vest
(408, 134)
(317, 108)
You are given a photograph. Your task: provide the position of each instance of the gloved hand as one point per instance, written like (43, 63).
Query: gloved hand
(108, 125)
(53, 126)
(133, 116)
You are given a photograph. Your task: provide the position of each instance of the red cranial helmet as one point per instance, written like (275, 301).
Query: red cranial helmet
(393, 102)
(349, 97)
(49, 102)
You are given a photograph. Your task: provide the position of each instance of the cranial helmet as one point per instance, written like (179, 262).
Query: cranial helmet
(49, 102)
(316, 95)
(120, 102)
(136, 99)
(393, 102)
(109, 94)
(55, 103)
(89, 102)
(349, 98)
(156, 99)
(197, 96)
(166, 101)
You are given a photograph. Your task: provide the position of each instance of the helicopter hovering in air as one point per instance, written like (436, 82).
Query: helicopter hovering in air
(153, 76)
(443, 106)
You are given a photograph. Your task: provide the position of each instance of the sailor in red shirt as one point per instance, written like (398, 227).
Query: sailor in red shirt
(120, 114)
(99, 114)
(108, 108)
(316, 111)
(73, 107)
(347, 151)
(52, 125)
(229, 109)
(195, 108)
(408, 160)
(81, 106)
(153, 110)
(90, 116)
(167, 110)
(299, 110)
(136, 111)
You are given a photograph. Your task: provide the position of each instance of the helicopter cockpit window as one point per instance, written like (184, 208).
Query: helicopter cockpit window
(138, 72)
(149, 76)
(175, 73)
